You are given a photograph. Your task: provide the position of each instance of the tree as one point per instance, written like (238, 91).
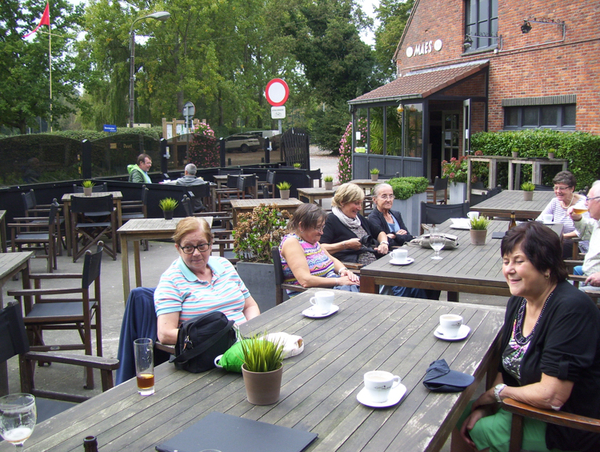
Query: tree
(392, 16)
(25, 87)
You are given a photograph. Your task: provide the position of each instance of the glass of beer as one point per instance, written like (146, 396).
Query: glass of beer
(144, 365)
(579, 210)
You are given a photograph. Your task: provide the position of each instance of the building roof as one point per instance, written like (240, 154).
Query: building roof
(422, 83)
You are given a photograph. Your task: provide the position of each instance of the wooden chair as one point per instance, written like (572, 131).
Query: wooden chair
(281, 287)
(33, 209)
(521, 410)
(35, 233)
(439, 185)
(268, 186)
(80, 310)
(225, 195)
(136, 209)
(438, 213)
(200, 195)
(246, 185)
(13, 337)
(93, 218)
(315, 175)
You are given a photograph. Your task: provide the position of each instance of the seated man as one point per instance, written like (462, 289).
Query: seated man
(139, 172)
(589, 229)
(189, 176)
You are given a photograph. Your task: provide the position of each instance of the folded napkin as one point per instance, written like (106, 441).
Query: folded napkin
(439, 378)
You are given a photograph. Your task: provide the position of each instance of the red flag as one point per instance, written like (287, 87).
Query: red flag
(45, 20)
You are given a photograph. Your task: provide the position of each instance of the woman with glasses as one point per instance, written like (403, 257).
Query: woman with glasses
(383, 217)
(304, 261)
(198, 283)
(564, 189)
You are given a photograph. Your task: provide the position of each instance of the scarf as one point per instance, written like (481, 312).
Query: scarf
(350, 222)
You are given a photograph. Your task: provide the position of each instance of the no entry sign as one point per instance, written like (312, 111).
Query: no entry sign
(277, 92)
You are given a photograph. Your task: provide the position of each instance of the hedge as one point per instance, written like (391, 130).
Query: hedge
(405, 187)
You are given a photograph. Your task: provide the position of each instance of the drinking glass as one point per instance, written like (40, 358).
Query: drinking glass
(437, 242)
(144, 365)
(17, 417)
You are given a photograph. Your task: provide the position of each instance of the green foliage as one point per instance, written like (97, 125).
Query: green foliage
(405, 187)
(480, 224)
(374, 171)
(284, 185)
(527, 186)
(579, 148)
(204, 148)
(297, 165)
(328, 178)
(88, 184)
(167, 204)
(392, 16)
(259, 231)
(261, 355)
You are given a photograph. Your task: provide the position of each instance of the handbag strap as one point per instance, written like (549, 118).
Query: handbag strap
(189, 354)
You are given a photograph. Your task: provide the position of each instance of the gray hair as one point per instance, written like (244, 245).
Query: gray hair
(191, 169)
(379, 187)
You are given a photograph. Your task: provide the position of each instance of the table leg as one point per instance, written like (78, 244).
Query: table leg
(452, 296)
(137, 263)
(125, 267)
(67, 215)
(536, 174)
(367, 285)
(493, 167)
(511, 176)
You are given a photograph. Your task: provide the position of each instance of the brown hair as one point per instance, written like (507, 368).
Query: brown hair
(565, 177)
(309, 215)
(142, 158)
(189, 225)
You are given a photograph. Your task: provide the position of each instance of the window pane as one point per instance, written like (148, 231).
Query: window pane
(569, 115)
(394, 131)
(376, 131)
(511, 117)
(471, 12)
(549, 115)
(413, 123)
(530, 116)
(484, 12)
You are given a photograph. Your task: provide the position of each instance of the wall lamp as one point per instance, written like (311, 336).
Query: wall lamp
(468, 42)
(526, 27)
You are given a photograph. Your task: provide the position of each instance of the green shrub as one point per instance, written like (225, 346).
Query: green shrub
(405, 187)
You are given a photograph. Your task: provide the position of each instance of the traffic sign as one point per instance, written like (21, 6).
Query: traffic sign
(277, 92)
(189, 110)
(277, 112)
(110, 128)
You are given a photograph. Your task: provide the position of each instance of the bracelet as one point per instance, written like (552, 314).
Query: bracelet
(385, 242)
(341, 270)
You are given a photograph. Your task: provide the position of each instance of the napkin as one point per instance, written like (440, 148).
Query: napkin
(439, 378)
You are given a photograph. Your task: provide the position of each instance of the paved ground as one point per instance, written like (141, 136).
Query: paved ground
(154, 262)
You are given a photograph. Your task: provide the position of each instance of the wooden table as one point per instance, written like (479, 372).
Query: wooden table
(514, 170)
(10, 265)
(319, 386)
(367, 184)
(508, 201)
(66, 200)
(136, 230)
(317, 193)
(247, 205)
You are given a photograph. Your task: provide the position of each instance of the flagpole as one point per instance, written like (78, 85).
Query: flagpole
(50, 63)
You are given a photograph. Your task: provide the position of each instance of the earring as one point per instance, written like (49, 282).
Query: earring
(547, 275)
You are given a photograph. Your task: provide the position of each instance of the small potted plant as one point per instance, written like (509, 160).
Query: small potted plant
(168, 205)
(284, 189)
(297, 165)
(88, 186)
(374, 174)
(551, 153)
(527, 188)
(328, 182)
(262, 369)
(479, 230)
(515, 153)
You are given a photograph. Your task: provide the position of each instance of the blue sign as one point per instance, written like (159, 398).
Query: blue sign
(110, 128)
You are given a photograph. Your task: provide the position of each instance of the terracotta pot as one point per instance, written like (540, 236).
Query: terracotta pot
(262, 388)
(478, 236)
(527, 196)
(87, 191)
(329, 185)
(374, 177)
(284, 194)
(168, 214)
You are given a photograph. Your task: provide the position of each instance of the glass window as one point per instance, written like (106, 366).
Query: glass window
(549, 115)
(481, 20)
(569, 115)
(511, 117)
(413, 127)
(530, 116)
(394, 130)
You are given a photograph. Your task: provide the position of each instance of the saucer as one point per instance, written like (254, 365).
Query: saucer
(394, 397)
(310, 312)
(462, 333)
(408, 261)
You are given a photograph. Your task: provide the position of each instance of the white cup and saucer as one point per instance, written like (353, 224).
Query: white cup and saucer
(547, 218)
(473, 215)
(381, 389)
(322, 305)
(400, 257)
(451, 328)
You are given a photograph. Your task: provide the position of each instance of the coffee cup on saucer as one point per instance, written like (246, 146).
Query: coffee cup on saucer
(322, 301)
(450, 325)
(547, 218)
(472, 215)
(400, 256)
(379, 383)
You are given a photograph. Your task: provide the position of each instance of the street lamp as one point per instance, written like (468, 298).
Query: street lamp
(160, 15)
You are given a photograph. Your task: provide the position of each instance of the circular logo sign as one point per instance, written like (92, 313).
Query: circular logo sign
(277, 92)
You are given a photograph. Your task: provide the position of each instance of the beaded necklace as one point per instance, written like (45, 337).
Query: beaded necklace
(519, 338)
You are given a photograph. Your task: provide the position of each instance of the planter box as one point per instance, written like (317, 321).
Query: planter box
(457, 192)
(260, 281)
(410, 209)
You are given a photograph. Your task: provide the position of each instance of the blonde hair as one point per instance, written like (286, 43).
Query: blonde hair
(189, 225)
(346, 193)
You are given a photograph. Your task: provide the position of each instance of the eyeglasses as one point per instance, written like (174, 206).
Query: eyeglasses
(319, 228)
(189, 249)
(559, 188)
(386, 196)
(591, 199)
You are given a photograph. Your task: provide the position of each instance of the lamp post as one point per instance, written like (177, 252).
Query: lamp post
(160, 15)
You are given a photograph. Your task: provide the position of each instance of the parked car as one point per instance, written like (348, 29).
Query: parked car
(243, 142)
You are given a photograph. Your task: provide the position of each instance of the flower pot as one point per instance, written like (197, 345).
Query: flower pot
(329, 185)
(515, 155)
(478, 236)
(374, 177)
(168, 214)
(262, 388)
(87, 191)
(527, 196)
(284, 194)
(550, 155)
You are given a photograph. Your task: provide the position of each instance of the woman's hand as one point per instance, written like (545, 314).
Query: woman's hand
(383, 248)
(469, 423)
(349, 276)
(401, 232)
(352, 244)
(485, 399)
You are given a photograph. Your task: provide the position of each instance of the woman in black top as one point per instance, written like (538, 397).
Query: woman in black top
(383, 217)
(550, 350)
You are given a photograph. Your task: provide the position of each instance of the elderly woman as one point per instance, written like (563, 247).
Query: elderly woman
(347, 234)
(386, 219)
(304, 261)
(550, 351)
(197, 283)
(564, 189)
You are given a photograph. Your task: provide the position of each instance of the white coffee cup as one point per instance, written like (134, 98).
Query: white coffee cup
(450, 325)
(399, 255)
(322, 301)
(378, 384)
(547, 218)
(473, 215)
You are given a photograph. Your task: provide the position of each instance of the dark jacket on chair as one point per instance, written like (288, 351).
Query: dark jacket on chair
(377, 219)
(335, 232)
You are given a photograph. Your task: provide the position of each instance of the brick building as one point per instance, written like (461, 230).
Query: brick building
(465, 66)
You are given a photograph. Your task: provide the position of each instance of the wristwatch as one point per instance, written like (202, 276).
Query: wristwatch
(385, 242)
(497, 390)
(342, 269)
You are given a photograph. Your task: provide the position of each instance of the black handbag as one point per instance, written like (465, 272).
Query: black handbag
(201, 339)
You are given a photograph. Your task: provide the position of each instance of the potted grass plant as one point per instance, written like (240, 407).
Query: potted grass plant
(328, 182)
(479, 230)
(527, 188)
(297, 165)
(284, 189)
(168, 206)
(88, 187)
(374, 174)
(262, 369)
